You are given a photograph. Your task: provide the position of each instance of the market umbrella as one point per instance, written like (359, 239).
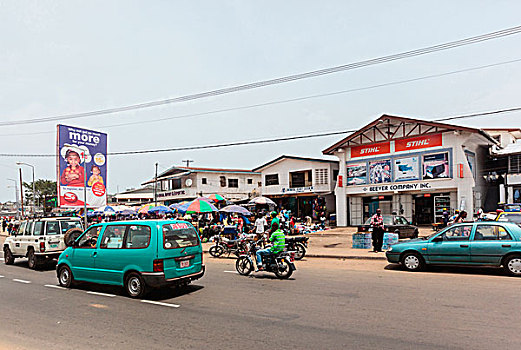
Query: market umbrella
(145, 208)
(216, 197)
(160, 209)
(236, 209)
(262, 200)
(127, 212)
(200, 206)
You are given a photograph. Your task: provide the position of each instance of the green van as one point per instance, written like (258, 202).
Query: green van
(135, 255)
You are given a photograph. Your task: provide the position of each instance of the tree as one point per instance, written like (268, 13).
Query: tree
(45, 192)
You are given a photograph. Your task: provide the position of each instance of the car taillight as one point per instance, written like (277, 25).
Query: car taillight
(361, 229)
(42, 247)
(158, 265)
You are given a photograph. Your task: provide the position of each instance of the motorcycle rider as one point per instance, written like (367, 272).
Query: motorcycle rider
(279, 242)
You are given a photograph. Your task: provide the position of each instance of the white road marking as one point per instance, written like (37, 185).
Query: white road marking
(159, 303)
(2, 259)
(21, 281)
(102, 294)
(2, 276)
(230, 271)
(54, 286)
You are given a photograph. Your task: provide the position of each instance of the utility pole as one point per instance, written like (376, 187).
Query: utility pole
(155, 187)
(21, 191)
(188, 161)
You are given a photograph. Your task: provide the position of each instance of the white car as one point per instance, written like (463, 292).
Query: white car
(40, 240)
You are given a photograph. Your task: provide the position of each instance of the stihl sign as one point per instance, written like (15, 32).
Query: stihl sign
(418, 142)
(369, 150)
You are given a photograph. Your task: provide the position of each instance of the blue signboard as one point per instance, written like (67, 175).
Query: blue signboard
(81, 161)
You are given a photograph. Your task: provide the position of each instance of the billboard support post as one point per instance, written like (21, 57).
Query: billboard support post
(21, 191)
(85, 189)
(155, 188)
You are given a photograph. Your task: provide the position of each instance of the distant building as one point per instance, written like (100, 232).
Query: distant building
(184, 183)
(137, 196)
(296, 183)
(504, 168)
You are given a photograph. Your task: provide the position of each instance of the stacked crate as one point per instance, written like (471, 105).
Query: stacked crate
(389, 240)
(362, 241)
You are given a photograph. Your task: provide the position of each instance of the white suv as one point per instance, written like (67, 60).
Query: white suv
(40, 240)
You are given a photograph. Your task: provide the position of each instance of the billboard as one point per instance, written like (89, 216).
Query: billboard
(370, 150)
(356, 174)
(380, 171)
(407, 168)
(81, 160)
(436, 166)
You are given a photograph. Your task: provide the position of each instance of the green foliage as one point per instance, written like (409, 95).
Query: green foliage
(45, 192)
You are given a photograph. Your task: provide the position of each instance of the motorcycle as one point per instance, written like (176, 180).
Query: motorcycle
(222, 246)
(281, 264)
(298, 245)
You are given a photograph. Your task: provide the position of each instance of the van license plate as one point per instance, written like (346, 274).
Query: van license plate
(184, 263)
(54, 245)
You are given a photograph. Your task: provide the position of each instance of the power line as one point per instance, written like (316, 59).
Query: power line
(333, 93)
(242, 143)
(281, 80)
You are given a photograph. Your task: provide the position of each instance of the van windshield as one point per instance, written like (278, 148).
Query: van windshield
(179, 235)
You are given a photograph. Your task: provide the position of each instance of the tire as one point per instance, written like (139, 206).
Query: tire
(300, 251)
(285, 271)
(244, 265)
(8, 256)
(65, 277)
(412, 261)
(512, 265)
(134, 285)
(71, 235)
(216, 251)
(32, 259)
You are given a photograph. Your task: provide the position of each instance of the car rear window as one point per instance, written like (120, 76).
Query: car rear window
(67, 225)
(179, 235)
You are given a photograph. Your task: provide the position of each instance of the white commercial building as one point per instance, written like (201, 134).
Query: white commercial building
(415, 168)
(184, 183)
(300, 184)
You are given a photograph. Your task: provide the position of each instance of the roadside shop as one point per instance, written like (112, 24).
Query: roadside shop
(411, 167)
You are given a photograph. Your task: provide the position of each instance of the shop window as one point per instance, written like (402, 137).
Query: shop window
(176, 184)
(322, 176)
(222, 179)
(300, 179)
(233, 183)
(271, 180)
(204, 181)
(514, 164)
(335, 174)
(250, 181)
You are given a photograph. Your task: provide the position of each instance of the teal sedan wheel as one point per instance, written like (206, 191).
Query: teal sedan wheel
(512, 265)
(413, 261)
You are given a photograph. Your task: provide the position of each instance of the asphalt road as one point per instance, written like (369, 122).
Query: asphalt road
(329, 304)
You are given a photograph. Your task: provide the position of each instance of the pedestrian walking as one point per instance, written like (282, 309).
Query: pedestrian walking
(377, 223)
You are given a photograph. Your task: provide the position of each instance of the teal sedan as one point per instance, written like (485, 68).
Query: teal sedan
(477, 244)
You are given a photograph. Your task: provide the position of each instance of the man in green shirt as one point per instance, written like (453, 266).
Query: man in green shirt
(279, 242)
(274, 220)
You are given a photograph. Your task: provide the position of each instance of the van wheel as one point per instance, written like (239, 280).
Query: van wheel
(134, 285)
(65, 277)
(8, 256)
(32, 259)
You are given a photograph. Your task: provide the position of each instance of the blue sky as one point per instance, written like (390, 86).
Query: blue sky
(61, 57)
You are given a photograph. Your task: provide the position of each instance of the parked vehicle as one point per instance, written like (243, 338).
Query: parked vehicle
(281, 264)
(134, 254)
(224, 246)
(483, 243)
(40, 240)
(509, 216)
(394, 224)
(298, 245)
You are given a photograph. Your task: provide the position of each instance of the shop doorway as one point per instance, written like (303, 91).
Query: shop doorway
(384, 203)
(423, 210)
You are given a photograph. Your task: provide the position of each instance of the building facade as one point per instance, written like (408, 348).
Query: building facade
(185, 183)
(412, 167)
(136, 196)
(300, 184)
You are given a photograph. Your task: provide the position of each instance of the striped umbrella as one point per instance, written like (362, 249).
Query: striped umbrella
(145, 208)
(216, 197)
(262, 200)
(200, 206)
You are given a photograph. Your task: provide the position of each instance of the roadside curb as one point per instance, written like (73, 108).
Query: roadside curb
(343, 257)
